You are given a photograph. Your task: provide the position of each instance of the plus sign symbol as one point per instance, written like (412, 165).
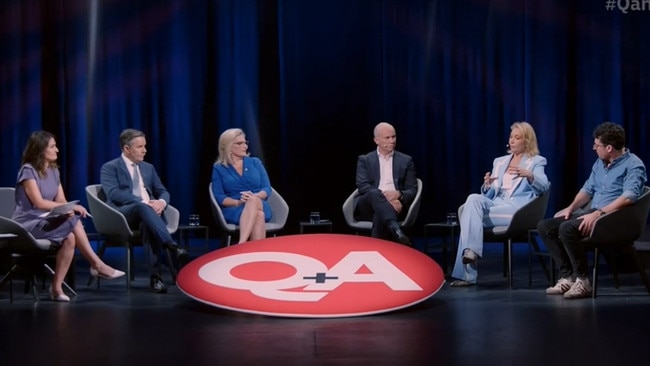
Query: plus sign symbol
(321, 277)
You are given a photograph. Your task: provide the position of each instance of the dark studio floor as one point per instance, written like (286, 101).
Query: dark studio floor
(489, 324)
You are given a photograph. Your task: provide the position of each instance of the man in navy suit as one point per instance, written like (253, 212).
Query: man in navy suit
(133, 187)
(387, 185)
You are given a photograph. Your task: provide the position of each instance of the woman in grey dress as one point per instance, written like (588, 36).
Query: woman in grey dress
(39, 190)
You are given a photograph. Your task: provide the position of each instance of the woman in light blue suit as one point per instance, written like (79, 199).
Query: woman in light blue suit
(515, 180)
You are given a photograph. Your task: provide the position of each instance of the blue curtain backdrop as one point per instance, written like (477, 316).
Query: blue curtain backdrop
(308, 80)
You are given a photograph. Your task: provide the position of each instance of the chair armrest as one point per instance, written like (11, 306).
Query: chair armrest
(217, 213)
(531, 213)
(413, 211)
(348, 207)
(107, 220)
(279, 208)
(173, 217)
(607, 229)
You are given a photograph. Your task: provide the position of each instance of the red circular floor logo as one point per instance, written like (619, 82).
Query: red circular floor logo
(317, 275)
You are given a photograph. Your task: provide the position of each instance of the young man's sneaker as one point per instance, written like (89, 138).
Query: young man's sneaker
(579, 290)
(563, 285)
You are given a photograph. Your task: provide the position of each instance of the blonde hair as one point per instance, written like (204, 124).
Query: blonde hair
(225, 145)
(529, 136)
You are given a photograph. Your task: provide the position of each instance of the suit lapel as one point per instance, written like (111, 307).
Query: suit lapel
(145, 176)
(501, 166)
(500, 170)
(124, 171)
(374, 168)
(525, 163)
(396, 168)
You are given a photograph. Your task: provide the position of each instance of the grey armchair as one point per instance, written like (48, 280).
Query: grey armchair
(7, 201)
(409, 219)
(617, 231)
(279, 215)
(115, 230)
(27, 254)
(526, 218)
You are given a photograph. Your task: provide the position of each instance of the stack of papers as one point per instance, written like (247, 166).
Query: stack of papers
(60, 210)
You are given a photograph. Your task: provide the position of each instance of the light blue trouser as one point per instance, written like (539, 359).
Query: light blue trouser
(478, 213)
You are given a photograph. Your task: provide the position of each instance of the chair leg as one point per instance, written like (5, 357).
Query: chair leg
(505, 258)
(595, 274)
(534, 249)
(641, 269)
(510, 262)
(614, 256)
(170, 263)
(530, 261)
(7, 278)
(33, 282)
(130, 273)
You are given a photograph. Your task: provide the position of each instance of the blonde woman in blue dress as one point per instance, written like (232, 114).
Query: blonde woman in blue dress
(515, 179)
(241, 186)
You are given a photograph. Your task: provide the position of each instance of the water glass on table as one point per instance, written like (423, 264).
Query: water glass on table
(194, 220)
(452, 218)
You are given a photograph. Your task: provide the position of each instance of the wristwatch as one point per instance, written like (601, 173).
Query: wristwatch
(601, 212)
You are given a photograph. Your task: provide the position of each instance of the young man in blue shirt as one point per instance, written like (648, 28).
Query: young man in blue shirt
(617, 179)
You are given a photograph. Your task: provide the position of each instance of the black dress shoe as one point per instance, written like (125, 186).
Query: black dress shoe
(157, 285)
(400, 237)
(180, 253)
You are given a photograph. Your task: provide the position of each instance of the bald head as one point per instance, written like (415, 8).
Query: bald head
(385, 138)
(383, 127)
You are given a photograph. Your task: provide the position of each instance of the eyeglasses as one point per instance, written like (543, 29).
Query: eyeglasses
(239, 143)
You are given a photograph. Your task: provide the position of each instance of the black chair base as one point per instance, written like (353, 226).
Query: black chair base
(626, 249)
(534, 249)
(30, 269)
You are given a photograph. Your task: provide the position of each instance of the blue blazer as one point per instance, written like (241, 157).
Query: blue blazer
(523, 191)
(404, 175)
(226, 182)
(118, 186)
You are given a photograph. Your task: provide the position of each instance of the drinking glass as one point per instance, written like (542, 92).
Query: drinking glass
(314, 217)
(194, 220)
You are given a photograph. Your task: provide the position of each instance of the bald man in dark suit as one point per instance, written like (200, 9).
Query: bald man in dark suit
(387, 184)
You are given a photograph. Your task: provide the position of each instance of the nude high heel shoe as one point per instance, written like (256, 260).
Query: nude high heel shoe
(59, 297)
(113, 275)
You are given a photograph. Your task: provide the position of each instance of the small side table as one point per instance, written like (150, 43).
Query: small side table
(322, 225)
(184, 233)
(447, 239)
